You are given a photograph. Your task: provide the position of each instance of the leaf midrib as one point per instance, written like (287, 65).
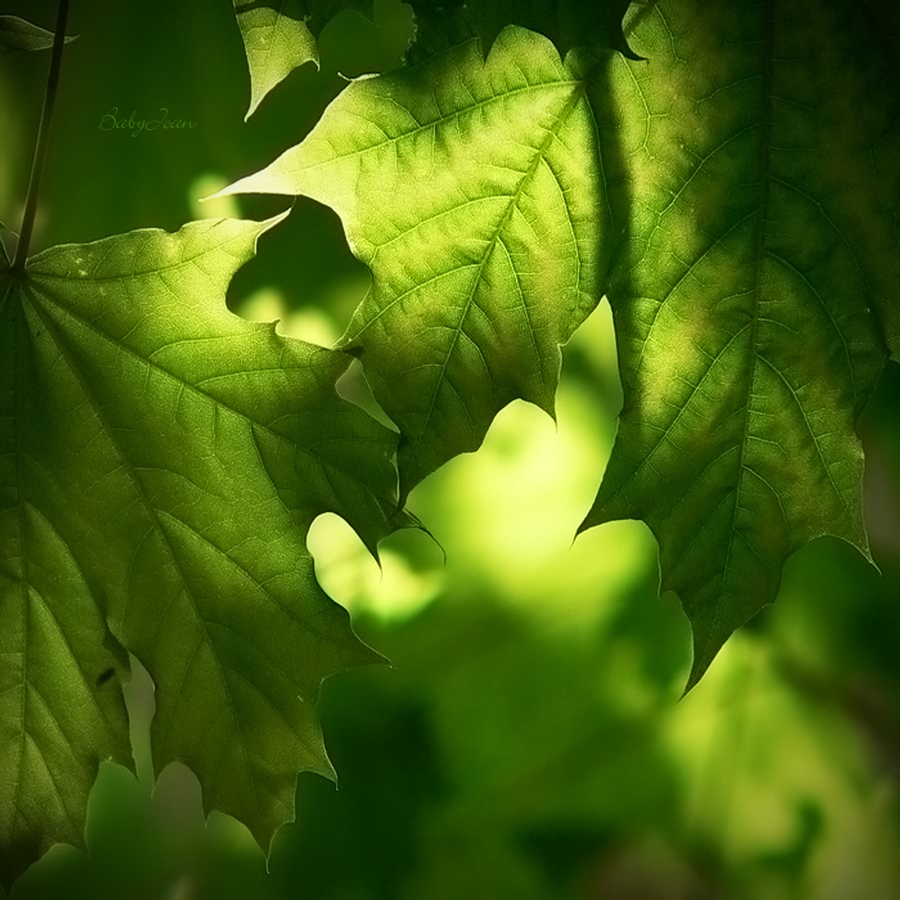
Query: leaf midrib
(170, 550)
(764, 166)
(539, 156)
(440, 120)
(146, 233)
(193, 387)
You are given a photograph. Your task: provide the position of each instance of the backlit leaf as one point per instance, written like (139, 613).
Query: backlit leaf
(162, 460)
(756, 164)
(474, 191)
(280, 35)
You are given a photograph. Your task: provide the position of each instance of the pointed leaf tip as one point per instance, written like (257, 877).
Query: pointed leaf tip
(444, 346)
(755, 292)
(17, 34)
(215, 441)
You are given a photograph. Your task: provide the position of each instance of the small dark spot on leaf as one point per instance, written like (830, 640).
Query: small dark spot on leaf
(103, 677)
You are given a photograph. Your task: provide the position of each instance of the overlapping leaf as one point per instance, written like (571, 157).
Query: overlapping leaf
(280, 35)
(756, 160)
(18, 34)
(474, 191)
(161, 462)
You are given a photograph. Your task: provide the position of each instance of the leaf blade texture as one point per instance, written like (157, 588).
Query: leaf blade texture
(180, 454)
(474, 191)
(280, 36)
(17, 34)
(757, 186)
(56, 726)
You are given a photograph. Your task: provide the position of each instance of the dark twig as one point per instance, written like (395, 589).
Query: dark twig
(40, 151)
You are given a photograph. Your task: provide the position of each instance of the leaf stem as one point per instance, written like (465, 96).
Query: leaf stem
(40, 151)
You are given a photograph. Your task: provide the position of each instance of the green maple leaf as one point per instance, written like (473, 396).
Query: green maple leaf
(746, 353)
(18, 34)
(756, 159)
(162, 460)
(280, 35)
(474, 191)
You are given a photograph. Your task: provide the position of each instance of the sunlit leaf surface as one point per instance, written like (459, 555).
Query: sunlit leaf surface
(474, 191)
(160, 463)
(280, 35)
(757, 182)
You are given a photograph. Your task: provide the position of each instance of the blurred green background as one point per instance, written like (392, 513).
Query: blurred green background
(529, 742)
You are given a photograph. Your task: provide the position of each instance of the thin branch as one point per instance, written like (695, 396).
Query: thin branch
(40, 152)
